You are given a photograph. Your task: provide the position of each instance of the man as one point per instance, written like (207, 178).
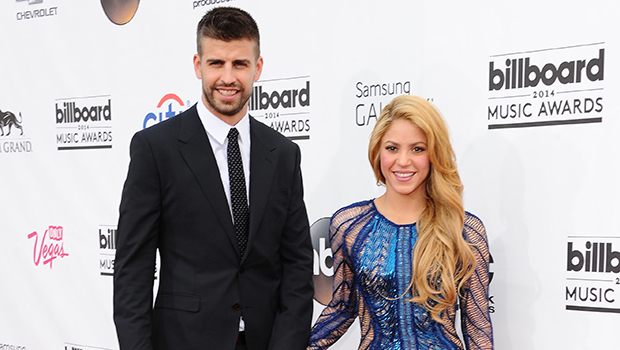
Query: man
(231, 277)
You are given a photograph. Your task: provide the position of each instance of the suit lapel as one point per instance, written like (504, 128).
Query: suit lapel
(199, 157)
(263, 163)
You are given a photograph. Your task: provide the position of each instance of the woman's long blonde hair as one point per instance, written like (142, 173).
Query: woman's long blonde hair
(442, 260)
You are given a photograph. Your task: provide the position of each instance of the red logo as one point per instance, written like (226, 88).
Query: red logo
(152, 118)
(49, 246)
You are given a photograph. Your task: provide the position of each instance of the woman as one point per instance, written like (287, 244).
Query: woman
(404, 260)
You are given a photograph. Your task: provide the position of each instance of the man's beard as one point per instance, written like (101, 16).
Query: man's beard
(225, 108)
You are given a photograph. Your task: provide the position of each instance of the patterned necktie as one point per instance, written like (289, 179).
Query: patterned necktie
(238, 194)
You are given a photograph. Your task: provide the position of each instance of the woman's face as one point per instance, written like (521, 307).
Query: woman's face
(404, 159)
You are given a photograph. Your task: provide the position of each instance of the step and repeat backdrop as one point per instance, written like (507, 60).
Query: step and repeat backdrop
(530, 90)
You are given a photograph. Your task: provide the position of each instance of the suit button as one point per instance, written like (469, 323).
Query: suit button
(236, 306)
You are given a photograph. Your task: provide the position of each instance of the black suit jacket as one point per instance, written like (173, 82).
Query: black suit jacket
(173, 200)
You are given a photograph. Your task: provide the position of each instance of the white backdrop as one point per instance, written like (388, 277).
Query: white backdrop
(539, 162)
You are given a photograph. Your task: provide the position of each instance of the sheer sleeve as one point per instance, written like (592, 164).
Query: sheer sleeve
(341, 311)
(475, 316)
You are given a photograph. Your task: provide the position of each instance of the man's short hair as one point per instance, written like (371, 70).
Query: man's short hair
(227, 23)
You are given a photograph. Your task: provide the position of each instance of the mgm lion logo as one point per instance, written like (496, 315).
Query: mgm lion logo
(9, 119)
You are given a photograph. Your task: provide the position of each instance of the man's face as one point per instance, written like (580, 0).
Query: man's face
(227, 70)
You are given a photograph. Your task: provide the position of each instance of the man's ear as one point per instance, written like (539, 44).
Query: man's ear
(197, 68)
(259, 68)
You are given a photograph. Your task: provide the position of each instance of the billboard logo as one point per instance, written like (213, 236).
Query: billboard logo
(49, 246)
(547, 87)
(69, 113)
(593, 270)
(519, 73)
(283, 104)
(84, 123)
(275, 99)
(107, 249)
(597, 257)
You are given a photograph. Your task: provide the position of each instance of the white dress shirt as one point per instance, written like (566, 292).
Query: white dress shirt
(217, 131)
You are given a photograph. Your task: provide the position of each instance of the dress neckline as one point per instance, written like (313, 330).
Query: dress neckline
(378, 213)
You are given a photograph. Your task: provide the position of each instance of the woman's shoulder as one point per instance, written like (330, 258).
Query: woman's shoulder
(473, 230)
(472, 219)
(354, 209)
(350, 214)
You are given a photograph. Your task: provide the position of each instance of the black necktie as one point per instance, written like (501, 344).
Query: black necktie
(238, 194)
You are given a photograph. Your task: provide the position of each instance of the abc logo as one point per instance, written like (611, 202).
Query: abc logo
(323, 262)
(491, 273)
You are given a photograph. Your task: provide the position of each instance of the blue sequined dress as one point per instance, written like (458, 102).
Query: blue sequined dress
(372, 272)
